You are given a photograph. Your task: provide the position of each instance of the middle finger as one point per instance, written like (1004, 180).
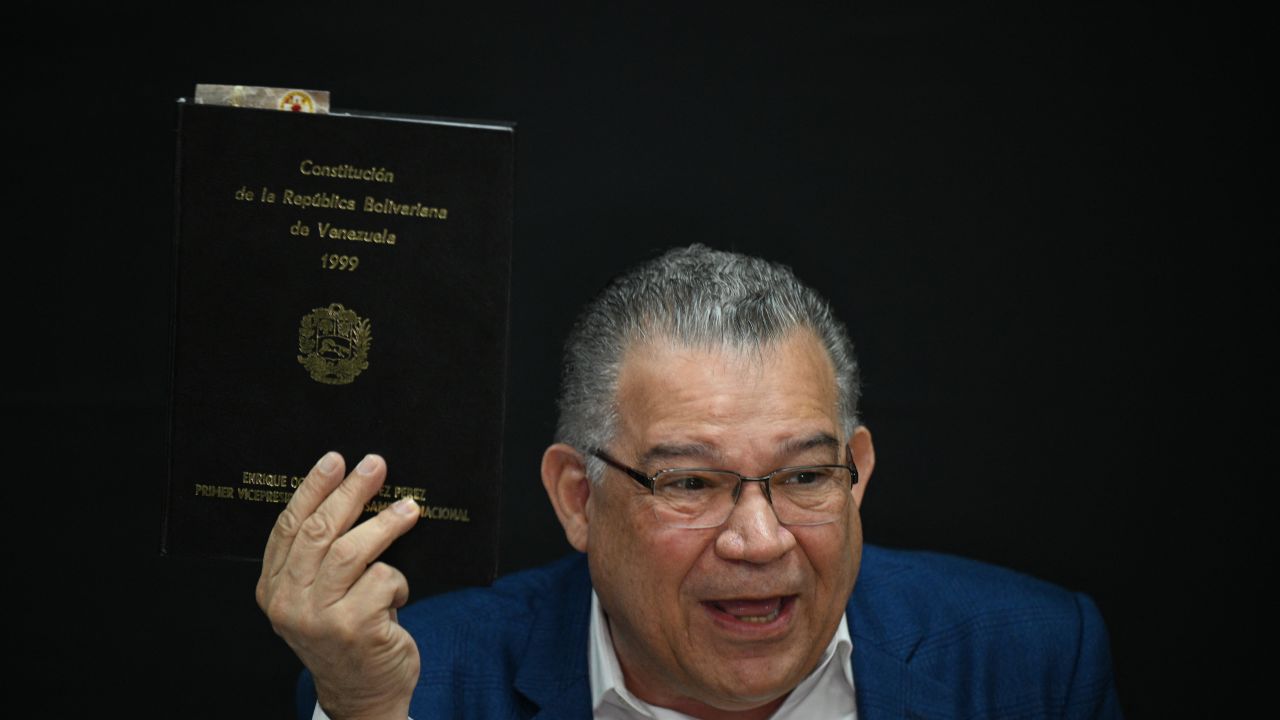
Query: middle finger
(333, 518)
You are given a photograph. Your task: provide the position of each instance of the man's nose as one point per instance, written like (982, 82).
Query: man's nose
(752, 533)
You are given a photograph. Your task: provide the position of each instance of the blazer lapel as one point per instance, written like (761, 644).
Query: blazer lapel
(883, 635)
(553, 674)
(887, 688)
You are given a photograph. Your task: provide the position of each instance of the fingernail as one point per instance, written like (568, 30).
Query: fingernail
(367, 465)
(405, 506)
(328, 463)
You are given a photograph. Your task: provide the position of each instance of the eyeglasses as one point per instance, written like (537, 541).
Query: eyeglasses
(695, 498)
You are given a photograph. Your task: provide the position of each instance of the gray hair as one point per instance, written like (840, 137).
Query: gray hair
(697, 297)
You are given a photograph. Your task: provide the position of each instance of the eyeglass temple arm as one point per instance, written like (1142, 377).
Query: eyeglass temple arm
(636, 475)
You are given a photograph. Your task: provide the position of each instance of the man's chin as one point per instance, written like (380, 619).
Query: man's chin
(751, 684)
(733, 701)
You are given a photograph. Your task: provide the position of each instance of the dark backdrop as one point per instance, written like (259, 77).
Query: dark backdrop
(1038, 224)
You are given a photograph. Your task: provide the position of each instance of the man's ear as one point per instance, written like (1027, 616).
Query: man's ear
(864, 458)
(565, 477)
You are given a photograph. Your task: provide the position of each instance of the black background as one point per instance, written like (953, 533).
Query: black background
(1041, 225)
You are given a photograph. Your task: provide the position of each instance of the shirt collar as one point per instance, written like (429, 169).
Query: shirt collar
(608, 685)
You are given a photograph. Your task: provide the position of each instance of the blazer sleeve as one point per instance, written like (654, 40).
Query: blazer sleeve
(1092, 693)
(305, 701)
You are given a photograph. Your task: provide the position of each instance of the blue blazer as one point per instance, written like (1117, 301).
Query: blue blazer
(934, 636)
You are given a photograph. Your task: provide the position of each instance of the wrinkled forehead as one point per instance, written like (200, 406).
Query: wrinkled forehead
(668, 388)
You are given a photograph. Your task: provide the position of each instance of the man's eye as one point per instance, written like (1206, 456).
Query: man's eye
(687, 483)
(806, 477)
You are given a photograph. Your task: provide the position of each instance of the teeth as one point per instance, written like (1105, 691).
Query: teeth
(754, 611)
(759, 619)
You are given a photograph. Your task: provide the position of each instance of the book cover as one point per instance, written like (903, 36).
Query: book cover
(341, 284)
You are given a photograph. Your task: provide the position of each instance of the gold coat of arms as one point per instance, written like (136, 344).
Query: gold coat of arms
(334, 343)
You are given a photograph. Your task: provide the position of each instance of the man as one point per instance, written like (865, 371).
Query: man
(708, 468)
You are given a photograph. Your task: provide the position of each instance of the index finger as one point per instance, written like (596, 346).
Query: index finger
(325, 475)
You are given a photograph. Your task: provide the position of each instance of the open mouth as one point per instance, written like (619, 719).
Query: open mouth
(754, 611)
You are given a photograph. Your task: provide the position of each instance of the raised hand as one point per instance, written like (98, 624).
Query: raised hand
(331, 602)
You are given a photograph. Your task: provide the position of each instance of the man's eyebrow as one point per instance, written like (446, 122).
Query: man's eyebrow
(665, 453)
(799, 445)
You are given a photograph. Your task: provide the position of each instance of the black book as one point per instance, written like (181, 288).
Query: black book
(341, 284)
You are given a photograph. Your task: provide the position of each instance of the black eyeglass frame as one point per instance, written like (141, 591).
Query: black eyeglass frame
(649, 481)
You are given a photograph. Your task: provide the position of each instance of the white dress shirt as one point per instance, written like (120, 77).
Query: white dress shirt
(826, 693)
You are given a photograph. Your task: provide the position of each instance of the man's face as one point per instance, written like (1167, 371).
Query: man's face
(733, 616)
